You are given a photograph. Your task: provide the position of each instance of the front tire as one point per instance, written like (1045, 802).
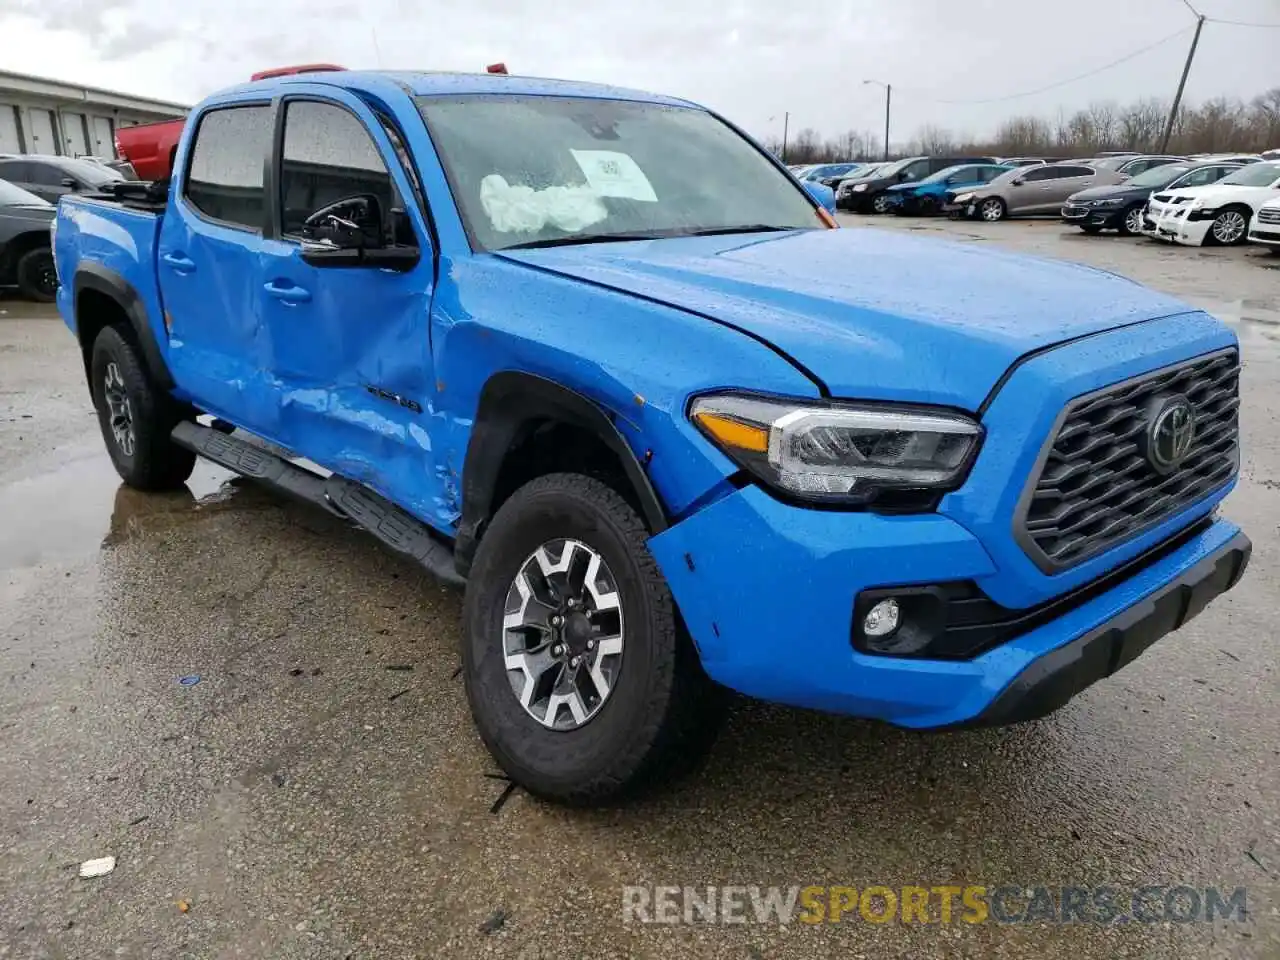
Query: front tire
(37, 279)
(1131, 222)
(880, 204)
(1230, 227)
(136, 418)
(582, 683)
(993, 209)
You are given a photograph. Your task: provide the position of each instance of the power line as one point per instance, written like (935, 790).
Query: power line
(1244, 23)
(1062, 83)
(1193, 10)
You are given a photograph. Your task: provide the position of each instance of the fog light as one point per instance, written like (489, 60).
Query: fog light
(882, 619)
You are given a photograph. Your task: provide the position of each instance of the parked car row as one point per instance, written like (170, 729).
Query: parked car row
(1226, 212)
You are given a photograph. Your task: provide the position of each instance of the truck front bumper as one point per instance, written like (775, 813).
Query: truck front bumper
(768, 591)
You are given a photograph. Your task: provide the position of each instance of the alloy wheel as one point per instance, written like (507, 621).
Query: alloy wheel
(992, 210)
(119, 408)
(1229, 227)
(562, 634)
(1133, 220)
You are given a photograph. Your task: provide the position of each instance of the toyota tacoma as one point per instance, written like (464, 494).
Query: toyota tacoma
(675, 433)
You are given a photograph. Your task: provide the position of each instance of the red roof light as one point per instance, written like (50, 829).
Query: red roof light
(496, 68)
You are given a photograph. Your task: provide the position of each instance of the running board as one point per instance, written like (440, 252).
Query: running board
(395, 527)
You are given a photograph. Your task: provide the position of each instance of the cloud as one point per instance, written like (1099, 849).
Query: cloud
(750, 59)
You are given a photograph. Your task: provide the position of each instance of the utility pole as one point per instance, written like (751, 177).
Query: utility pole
(1177, 97)
(786, 122)
(888, 92)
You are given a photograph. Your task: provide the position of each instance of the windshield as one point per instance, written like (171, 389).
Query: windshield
(547, 170)
(1110, 163)
(829, 170)
(1254, 175)
(94, 174)
(891, 169)
(10, 195)
(1159, 176)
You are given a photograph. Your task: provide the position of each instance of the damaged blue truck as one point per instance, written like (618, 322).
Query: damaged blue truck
(674, 433)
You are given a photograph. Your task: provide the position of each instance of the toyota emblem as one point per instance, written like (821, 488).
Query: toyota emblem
(1171, 429)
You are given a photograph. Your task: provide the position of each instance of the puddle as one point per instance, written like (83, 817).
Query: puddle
(79, 504)
(1255, 318)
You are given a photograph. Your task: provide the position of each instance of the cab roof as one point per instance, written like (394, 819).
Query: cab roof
(443, 84)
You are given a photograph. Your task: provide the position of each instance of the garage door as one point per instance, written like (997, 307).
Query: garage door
(103, 143)
(9, 141)
(40, 135)
(73, 135)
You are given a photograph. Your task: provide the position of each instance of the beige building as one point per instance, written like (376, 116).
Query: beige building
(48, 116)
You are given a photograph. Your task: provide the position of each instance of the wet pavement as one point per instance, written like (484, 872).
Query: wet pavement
(316, 789)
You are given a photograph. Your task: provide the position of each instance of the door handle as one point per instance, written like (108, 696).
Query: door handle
(283, 290)
(179, 263)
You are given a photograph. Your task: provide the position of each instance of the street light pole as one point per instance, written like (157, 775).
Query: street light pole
(888, 100)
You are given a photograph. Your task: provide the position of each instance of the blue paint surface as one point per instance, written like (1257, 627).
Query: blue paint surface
(639, 328)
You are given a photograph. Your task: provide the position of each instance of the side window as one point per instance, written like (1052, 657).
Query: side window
(14, 171)
(224, 180)
(1066, 172)
(328, 158)
(915, 171)
(45, 174)
(1039, 173)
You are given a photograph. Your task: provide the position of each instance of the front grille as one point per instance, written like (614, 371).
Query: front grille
(1095, 487)
(1268, 216)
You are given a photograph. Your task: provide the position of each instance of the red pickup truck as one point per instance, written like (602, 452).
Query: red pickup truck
(150, 147)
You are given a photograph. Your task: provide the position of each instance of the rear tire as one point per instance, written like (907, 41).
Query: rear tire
(37, 279)
(880, 204)
(659, 712)
(136, 418)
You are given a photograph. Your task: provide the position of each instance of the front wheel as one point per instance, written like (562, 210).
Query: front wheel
(135, 417)
(582, 683)
(1230, 227)
(1131, 222)
(993, 209)
(880, 203)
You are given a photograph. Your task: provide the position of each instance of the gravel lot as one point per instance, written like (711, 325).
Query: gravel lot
(320, 792)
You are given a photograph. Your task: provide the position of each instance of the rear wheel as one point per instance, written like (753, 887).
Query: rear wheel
(581, 681)
(1230, 227)
(136, 418)
(1131, 222)
(993, 209)
(37, 279)
(880, 203)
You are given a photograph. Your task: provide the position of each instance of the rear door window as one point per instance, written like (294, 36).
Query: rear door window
(224, 181)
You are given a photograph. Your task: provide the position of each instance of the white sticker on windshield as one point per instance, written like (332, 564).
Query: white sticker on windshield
(614, 174)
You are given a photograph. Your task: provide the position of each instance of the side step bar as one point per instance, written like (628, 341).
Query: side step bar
(396, 528)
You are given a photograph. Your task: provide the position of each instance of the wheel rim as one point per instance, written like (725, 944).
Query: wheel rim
(118, 408)
(1133, 220)
(991, 210)
(880, 204)
(562, 634)
(1229, 227)
(46, 278)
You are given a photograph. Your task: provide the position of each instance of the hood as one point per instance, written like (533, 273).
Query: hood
(873, 314)
(1120, 190)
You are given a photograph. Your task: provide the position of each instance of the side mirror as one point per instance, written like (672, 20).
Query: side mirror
(1018, 181)
(823, 194)
(69, 183)
(904, 175)
(351, 233)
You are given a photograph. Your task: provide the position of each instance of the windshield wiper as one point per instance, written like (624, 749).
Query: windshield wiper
(589, 238)
(652, 235)
(741, 228)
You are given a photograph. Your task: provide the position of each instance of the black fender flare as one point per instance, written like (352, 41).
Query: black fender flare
(94, 276)
(512, 402)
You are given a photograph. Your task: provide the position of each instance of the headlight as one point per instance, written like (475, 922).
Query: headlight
(845, 453)
(965, 198)
(859, 187)
(1104, 204)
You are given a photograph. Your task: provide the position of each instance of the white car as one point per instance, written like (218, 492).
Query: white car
(1217, 213)
(1265, 228)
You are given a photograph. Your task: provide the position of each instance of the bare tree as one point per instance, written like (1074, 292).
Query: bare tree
(1140, 124)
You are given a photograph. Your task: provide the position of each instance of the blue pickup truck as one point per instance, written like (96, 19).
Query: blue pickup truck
(675, 433)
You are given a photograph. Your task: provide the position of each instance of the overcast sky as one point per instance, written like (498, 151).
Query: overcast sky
(750, 59)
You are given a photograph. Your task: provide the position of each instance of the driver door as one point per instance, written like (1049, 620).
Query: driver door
(348, 342)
